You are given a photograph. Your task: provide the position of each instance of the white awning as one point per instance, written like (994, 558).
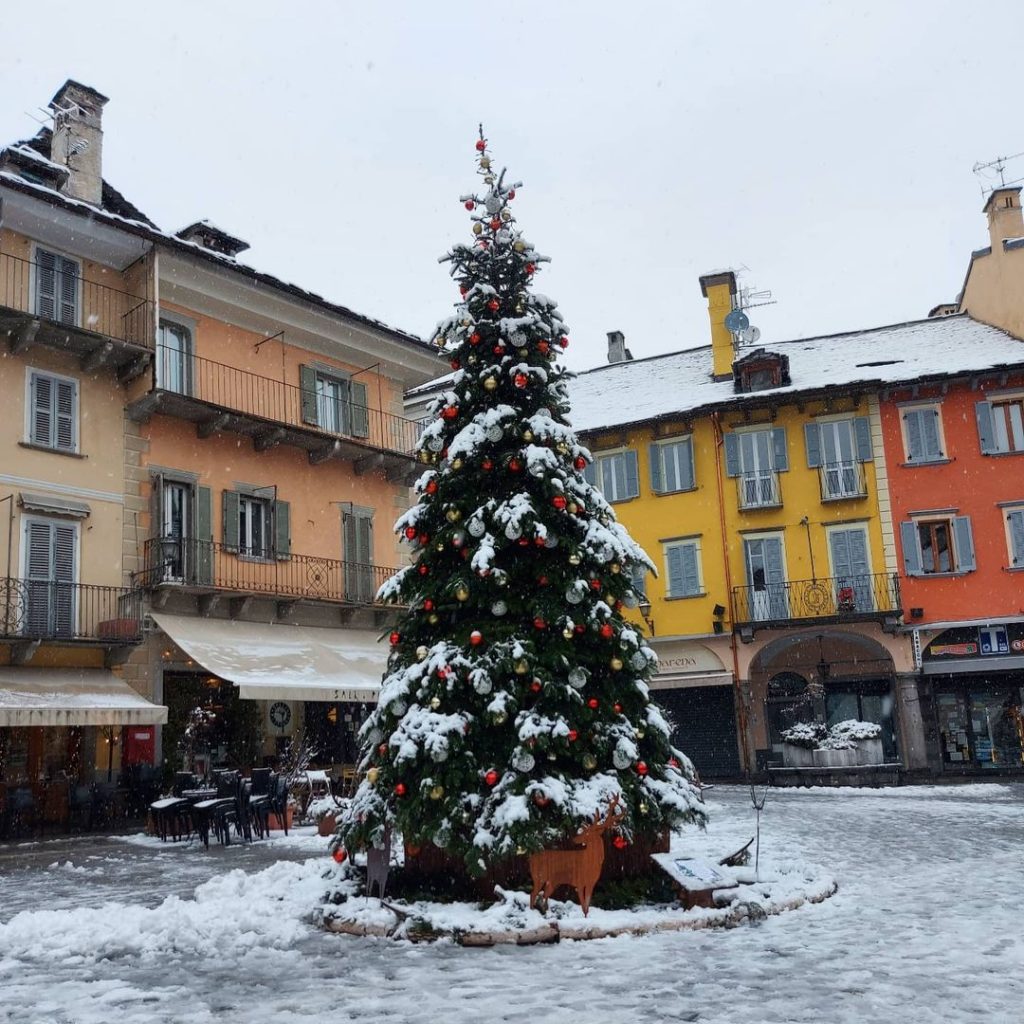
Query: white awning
(281, 662)
(72, 696)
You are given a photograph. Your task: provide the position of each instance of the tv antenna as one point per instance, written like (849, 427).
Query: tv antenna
(738, 322)
(993, 167)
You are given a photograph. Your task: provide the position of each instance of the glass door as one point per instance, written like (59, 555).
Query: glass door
(766, 578)
(50, 578)
(174, 358)
(851, 569)
(839, 459)
(176, 528)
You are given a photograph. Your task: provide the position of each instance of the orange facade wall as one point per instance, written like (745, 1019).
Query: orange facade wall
(965, 483)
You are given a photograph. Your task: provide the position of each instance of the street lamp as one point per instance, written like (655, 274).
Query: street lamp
(645, 611)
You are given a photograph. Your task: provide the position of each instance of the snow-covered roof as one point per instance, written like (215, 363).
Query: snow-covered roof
(681, 382)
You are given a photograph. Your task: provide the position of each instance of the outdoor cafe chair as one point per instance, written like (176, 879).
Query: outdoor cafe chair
(279, 799)
(259, 801)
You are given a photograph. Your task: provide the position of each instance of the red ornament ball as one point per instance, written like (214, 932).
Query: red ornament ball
(455, 364)
(564, 342)
(535, 686)
(431, 487)
(449, 412)
(618, 708)
(595, 584)
(463, 289)
(558, 501)
(410, 532)
(606, 631)
(539, 623)
(524, 542)
(474, 338)
(476, 638)
(543, 347)
(399, 789)
(530, 268)
(493, 305)
(514, 465)
(542, 581)
(428, 605)
(620, 843)
(593, 703)
(499, 350)
(495, 224)
(423, 538)
(382, 749)
(641, 767)
(339, 855)
(481, 145)
(395, 638)
(511, 193)
(580, 628)
(491, 778)
(673, 763)
(487, 464)
(520, 380)
(422, 569)
(470, 204)
(540, 799)
(580, 463)
(573, 735)
(538, 541)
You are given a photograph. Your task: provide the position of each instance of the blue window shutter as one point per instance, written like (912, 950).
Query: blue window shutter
(590, 474)
(1016, 521)
(632, 474)
(912, 419)
(732, 455)
(691, 576)
(930, 433)
(862, 432)
(686, 472)
(654, 458)
(780, 456)
(983, 412)
(676, 572)
(812, 439)
(964, 543)
(911, 548)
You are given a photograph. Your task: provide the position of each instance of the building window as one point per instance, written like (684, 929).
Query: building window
(672, 466)
(682, 561)
(937, 545)
(357, 551)
(57, 280)
(756, 457)
(1001, 426)
(922, 434)
(838, 449)
(1015, 536)
(50, 577)
(616, 475)
(254, 527)
(174, 358)
(53, 411)
(334, 402)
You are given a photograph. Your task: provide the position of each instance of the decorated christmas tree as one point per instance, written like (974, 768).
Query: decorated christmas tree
(516, 705)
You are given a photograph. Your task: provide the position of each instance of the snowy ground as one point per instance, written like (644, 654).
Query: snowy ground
(925, 928)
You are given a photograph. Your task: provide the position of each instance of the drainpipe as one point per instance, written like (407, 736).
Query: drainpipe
(741, 708)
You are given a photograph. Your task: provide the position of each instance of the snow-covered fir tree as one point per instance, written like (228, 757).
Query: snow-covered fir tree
(516, 702)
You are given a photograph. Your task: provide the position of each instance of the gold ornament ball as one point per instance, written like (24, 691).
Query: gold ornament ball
(478, 228)
(615, 567)
(521, 667)
(424, 455)
(527, 436)
(435, 702)
(519, 246)
(520, 851)
(436, 792)
(490, 383)
(485, 162)
(522, 353)
(456, 463)
(422, 652)
(433, 618)
(372, 775)
(574, 559)
(616, 664)
(562, 448)
(642, 807)
(453, 515)
(567, 634)
(462, 594)
(506, 215)
(573, 507)
(639, 734)
(439, 546)
(609, 599)
(498, 717)
(589, 762)
(488, 179)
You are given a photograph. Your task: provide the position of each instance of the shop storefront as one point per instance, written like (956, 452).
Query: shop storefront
(975, 677)
(696, 690)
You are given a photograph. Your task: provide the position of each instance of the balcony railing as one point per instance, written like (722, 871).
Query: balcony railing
(841, 480)
(66, 299)
(209, 566)
(841, 598)
(759, 489)
(264, 398)
(37, 610)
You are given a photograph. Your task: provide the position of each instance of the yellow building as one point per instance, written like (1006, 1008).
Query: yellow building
(756, 481)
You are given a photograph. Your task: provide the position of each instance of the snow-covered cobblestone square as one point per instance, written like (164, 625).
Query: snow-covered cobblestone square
(925, 927)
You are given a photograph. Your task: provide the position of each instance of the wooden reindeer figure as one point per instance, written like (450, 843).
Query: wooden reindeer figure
(579, 868)
(378, 864)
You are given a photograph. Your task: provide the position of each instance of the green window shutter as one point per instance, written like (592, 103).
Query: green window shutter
(359, 413)
(983, 413)
(732, 455)
(780, 455)
(307, 386)
(964, 540)
(862, 435)
(364, 538)
(282, 529)
(812, 441)
(229, 520)
(654, 458)
(204, 535)
(46, 284)
(911, 548)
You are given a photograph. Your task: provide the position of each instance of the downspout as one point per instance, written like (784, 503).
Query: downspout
(741, 707)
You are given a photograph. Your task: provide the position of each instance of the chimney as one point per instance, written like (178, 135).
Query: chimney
(78, 139)
(720, 291)
(617, 351)
(1004, 215)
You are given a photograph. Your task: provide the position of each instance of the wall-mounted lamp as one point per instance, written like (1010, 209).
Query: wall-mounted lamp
(645, 611)
(718, 623)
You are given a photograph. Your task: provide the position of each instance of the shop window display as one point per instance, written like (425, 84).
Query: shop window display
(981, 727)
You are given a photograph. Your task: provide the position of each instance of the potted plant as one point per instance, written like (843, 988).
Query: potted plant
(799, 742)
(865, 737)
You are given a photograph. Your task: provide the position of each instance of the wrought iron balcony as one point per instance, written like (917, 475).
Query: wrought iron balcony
(842, 480)
(218, 397)
(36, 610)
(207, 567)
(759, 489)
(54, 306)
(870, 597)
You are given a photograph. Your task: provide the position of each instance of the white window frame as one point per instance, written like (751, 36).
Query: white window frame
(1007, 511)
(949, 517)
(246, 504)
(26, 520)
(669, 443)
(605, 455)
(33, 371)
(34, 279)
(334, 378)
(682, 542)
(187, 324)
(1009, 399)
(936, 407)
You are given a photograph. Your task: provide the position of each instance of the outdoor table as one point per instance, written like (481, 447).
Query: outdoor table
(194, 796)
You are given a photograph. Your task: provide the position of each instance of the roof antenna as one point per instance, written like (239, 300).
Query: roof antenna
(993, 167)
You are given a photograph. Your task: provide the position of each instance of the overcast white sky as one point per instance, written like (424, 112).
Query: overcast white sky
(827, 147)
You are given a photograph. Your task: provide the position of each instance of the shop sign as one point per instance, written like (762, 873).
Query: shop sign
(976, 642)
(952, 650)
(994, 640)
(682, 658)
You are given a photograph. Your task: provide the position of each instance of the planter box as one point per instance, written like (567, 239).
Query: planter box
(870, 751)
(835, 758)
(794, 756)
(275, 822)
(327, 825)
